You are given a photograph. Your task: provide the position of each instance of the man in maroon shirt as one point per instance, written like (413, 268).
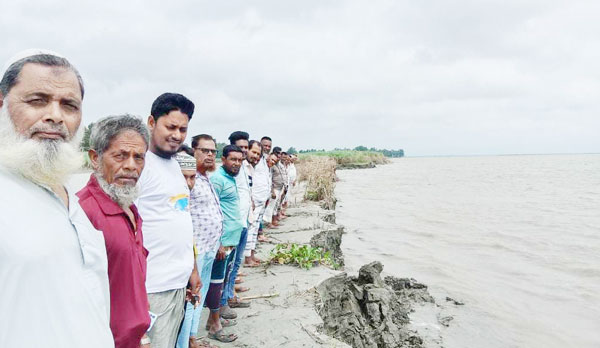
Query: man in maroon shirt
(118, 145)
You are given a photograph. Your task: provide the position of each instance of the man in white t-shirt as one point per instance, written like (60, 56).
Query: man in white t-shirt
(168, 231)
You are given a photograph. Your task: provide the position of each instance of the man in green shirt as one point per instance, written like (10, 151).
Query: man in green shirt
(223, 181)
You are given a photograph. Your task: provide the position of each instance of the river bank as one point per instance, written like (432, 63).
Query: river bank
(313, 305)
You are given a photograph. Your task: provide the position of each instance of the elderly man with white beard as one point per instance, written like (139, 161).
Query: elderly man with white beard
(53, 264)
(118, 149)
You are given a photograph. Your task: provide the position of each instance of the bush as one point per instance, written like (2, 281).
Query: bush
(303, 256)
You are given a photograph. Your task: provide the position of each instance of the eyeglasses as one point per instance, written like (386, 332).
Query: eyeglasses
(207, 151)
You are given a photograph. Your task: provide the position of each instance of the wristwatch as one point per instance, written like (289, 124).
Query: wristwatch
(145, 340)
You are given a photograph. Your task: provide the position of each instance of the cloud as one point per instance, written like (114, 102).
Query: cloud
(432, 77)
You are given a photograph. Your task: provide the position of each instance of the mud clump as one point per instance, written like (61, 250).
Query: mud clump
(329, 217)
(330, 240)
(368, 312)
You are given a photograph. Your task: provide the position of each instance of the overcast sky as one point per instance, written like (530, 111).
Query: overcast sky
(431, 77)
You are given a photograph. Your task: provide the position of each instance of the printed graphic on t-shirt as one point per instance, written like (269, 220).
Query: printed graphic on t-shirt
(180, 202)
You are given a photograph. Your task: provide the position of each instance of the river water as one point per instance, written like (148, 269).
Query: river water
(516, 238)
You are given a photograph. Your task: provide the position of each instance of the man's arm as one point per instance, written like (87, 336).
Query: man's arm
(195, 282)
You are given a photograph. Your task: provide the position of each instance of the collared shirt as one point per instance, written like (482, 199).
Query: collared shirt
(206, 215)
(129, 317)
(229, 199)
(168, 231)
(242, 181)
(292, 173)
(261, 182)
(53, 271)
(279, 176)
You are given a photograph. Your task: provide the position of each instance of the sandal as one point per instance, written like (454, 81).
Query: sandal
(222, 337)
(227, 313)
(204, 343)
(252, 265)
(236, 302)
(224, 323)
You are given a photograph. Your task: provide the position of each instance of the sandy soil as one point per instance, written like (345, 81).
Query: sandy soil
(289, 319)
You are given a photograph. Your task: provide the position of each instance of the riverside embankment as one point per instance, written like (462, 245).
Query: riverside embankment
(323, 307)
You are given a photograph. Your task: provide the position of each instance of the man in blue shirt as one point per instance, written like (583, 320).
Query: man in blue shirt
(225, 186)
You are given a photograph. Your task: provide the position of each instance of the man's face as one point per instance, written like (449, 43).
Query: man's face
(233, 162)
(266, 146)
(190, 177)
(205, 154)
(168, 133)
(243, 144)
(285, 159)
(254, 154)
(122, 163)
(272, 160)
(45, 103)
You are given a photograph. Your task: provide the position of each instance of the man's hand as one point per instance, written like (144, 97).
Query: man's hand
(195, 283)
(273, 195)
(221, 253)
(145, 338)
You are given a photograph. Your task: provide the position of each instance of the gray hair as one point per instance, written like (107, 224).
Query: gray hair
(10, 78)
(104, 131)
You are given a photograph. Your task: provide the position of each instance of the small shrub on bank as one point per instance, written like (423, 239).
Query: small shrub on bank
(304, 256)
(319, 174)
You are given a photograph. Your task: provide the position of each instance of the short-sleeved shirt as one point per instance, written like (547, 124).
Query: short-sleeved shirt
(163, 204)
(206, 215)
(129, 317)
(226, 190)
(242, 181)
(54, 288)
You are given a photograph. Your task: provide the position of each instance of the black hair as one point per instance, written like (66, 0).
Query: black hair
(230, 148)
(196, 139)
(284, 153)
(238, 135)
(252, 142)
(266, 138)
(168, 102)
(187, 150)
(276, 150)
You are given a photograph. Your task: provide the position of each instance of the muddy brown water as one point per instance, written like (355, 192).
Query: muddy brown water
(517, 238)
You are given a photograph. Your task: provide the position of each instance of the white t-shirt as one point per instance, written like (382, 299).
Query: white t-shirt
(243, 185)
(163, 204)
(53, 271)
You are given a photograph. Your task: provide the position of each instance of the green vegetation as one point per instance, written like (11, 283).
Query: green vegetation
(85, 141)
(303, 256)
(349, 157)
(361, 148)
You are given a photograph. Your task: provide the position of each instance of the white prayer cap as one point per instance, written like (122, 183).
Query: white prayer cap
(186, 162)
(28, 53)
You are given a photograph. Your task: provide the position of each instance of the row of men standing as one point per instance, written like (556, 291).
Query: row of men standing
(97, 288)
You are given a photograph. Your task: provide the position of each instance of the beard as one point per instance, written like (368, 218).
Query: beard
(230, 171)
(124, 196)
(46, 162)
(209, 167)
